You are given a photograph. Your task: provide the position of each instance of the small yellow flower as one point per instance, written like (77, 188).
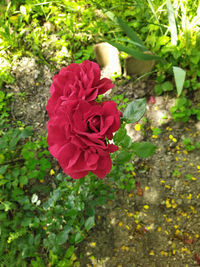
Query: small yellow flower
(168, 219)
(125, 248)
(177, 232)
(167, 203)
(164, 253)
(137, 127)
(52, 172)
(151, 253)
(168, 128)
(93, 244)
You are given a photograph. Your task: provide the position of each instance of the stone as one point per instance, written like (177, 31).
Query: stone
(108, 58)
(133, 66)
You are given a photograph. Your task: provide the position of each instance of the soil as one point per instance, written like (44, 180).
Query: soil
(157, 224)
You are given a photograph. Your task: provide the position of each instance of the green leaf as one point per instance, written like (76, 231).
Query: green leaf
(37, 239)
(123, 157)
(135, 110)
(3, 169)
(101, 200)
(143, 149)
(167, 86)
(78, 238)
(119, 135)
(89, 223)
(69, 252)
(126, 142)
(179, 76)
(134, 53)
(158, 89)
(63, 235)
(26, 132)
(23, 180)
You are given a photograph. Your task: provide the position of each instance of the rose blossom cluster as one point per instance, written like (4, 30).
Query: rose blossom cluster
(79, 127)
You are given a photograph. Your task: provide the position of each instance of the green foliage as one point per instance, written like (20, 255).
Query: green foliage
(134, 40)
(156, 131)
(189, 145)
(163, 87)
(183, 110)
(121, 101)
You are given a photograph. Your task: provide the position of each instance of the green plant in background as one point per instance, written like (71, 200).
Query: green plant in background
(183, 110)
(141, 51)
(134, 40)
(121, 101)
(189, 145)
(156, 131)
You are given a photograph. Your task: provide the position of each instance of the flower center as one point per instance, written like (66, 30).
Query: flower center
(94, 124)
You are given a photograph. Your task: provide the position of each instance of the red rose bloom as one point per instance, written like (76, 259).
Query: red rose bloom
(77, 81)
(76, 136)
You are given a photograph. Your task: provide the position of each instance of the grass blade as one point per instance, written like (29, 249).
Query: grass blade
(125, 27)
(134, 53)
(129, 41)
(172, 22)
(153, 11)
